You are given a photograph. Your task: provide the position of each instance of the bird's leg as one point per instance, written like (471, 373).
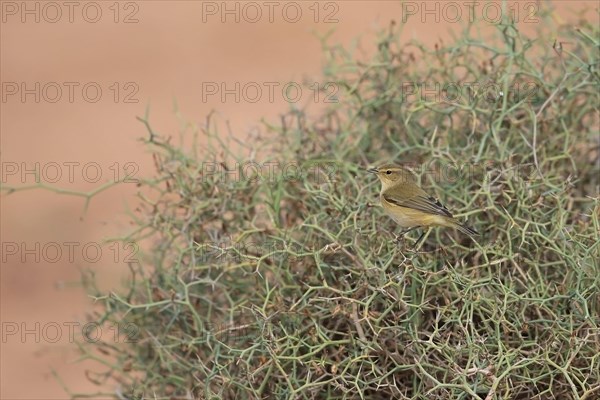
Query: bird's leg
(420, 238)
(404, 232)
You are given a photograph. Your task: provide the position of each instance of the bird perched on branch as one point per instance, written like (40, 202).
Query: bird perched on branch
(409, 205)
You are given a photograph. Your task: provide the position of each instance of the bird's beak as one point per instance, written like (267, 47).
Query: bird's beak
(373, 170)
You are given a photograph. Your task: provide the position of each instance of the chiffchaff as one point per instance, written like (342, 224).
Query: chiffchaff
(409, 205)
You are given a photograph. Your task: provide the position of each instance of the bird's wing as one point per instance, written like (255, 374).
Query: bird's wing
(421, 202)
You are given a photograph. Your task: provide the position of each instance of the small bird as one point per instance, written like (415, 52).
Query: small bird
(409, 205)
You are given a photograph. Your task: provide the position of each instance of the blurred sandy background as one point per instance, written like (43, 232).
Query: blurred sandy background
(153, 53)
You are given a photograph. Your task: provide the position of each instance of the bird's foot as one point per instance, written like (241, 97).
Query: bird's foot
(398, 238)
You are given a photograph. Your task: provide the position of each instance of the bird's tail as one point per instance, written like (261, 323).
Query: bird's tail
(465, 229)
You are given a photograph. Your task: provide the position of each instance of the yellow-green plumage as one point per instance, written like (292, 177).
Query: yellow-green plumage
(409, 205)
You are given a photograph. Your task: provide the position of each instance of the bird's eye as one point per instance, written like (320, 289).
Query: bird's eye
(388, 172)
